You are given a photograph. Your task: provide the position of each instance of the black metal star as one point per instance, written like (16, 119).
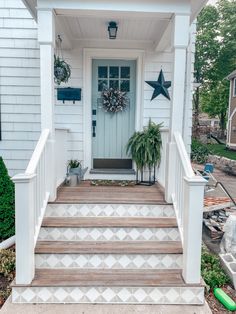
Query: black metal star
(160, 86)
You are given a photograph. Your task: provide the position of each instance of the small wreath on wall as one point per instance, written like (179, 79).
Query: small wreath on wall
(114, 100)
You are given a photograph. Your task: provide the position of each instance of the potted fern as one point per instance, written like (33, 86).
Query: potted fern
(145, 149)
(62, 71)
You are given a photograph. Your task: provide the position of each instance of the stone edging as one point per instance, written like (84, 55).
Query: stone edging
(225, 164)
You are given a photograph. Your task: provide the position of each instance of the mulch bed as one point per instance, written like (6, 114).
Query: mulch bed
(5, 289)
(215, 306)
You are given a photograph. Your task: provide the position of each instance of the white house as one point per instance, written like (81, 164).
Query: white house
(40, 133)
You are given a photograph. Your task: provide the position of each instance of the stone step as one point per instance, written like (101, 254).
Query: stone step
(109, 234)
(109, 261)
(108, 286)
(109, 210)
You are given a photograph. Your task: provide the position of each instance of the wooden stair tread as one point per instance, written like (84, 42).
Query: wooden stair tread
(113, 247)
(109, 277)
(140, 222)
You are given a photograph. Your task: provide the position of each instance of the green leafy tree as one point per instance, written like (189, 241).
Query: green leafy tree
(7, 203)
(207, 50)
(215, 58)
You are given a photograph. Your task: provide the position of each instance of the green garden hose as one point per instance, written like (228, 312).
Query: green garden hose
(225, 299)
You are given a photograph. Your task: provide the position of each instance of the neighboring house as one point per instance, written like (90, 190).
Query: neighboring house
(206, 121)
(231, 126)
(152, 35)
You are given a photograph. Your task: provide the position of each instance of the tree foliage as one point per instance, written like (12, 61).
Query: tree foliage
(7, 203)
(215, 58)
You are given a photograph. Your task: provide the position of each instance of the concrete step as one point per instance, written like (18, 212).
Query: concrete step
(108, 286)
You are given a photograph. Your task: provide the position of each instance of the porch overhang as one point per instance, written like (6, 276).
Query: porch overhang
(190, 7)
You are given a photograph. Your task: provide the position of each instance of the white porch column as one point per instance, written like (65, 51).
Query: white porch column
(180, 40)
(46, 39)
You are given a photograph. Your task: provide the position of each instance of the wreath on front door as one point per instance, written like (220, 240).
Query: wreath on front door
(114, 100)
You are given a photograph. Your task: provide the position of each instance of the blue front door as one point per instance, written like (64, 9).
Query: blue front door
(111, 131)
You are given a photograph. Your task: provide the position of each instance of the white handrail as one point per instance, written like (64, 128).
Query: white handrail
(31, 198)
(187, 196)
(37, 152)
(184, 156)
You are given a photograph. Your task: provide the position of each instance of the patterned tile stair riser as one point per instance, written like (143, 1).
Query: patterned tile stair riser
(112, 295)
(108, 210)
(109, 234)
(108, 261)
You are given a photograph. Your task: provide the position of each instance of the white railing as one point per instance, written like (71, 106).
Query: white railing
(61, 154)
(162, 168)
(187, 197)
(31, 197)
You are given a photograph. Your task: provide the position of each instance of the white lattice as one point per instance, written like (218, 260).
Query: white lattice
(125, 295)
(109, 234)
(118, 210)
(109, 261)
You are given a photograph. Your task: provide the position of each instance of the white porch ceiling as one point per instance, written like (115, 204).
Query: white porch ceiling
(133, 32)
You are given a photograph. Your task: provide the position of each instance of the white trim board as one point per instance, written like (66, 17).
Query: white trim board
(88, 56)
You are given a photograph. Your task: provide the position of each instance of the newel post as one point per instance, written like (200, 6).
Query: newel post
(192, 228)
(46, 39)
(25, 225)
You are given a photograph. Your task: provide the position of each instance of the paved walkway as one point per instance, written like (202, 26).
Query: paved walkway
(10, 308)
(228, 181)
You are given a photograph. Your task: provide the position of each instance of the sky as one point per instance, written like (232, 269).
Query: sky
(212, 1)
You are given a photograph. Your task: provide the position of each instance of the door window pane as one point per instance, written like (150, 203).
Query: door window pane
(124, 86)
(125, 72)
(114, 72)
(102, 72)
(102, 84)
(114, 84)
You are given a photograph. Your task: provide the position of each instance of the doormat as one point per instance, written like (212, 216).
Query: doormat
(113, 183)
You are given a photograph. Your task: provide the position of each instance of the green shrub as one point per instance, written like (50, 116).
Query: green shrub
(7, 263)
(7, 203)
(199, 152)
(212, 271)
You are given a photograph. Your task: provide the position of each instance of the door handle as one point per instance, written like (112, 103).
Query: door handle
(94, 123)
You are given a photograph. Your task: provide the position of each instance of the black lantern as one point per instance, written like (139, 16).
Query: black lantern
(112, 29)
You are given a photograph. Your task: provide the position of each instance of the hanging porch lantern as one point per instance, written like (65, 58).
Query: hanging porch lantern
(112, 30)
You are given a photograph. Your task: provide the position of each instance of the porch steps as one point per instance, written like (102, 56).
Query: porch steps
(129, 222)
(109, 253)
(108, 277)
(109, 247)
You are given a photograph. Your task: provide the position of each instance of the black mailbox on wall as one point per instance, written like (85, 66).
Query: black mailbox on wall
(69, 93)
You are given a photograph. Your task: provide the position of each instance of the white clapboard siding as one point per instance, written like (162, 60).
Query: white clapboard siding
(20, 85)
(159, 108)
(70, 115)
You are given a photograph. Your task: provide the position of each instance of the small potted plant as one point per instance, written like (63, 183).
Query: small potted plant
(73, 171)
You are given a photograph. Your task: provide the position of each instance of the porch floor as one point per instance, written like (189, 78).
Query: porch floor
(87, 193)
